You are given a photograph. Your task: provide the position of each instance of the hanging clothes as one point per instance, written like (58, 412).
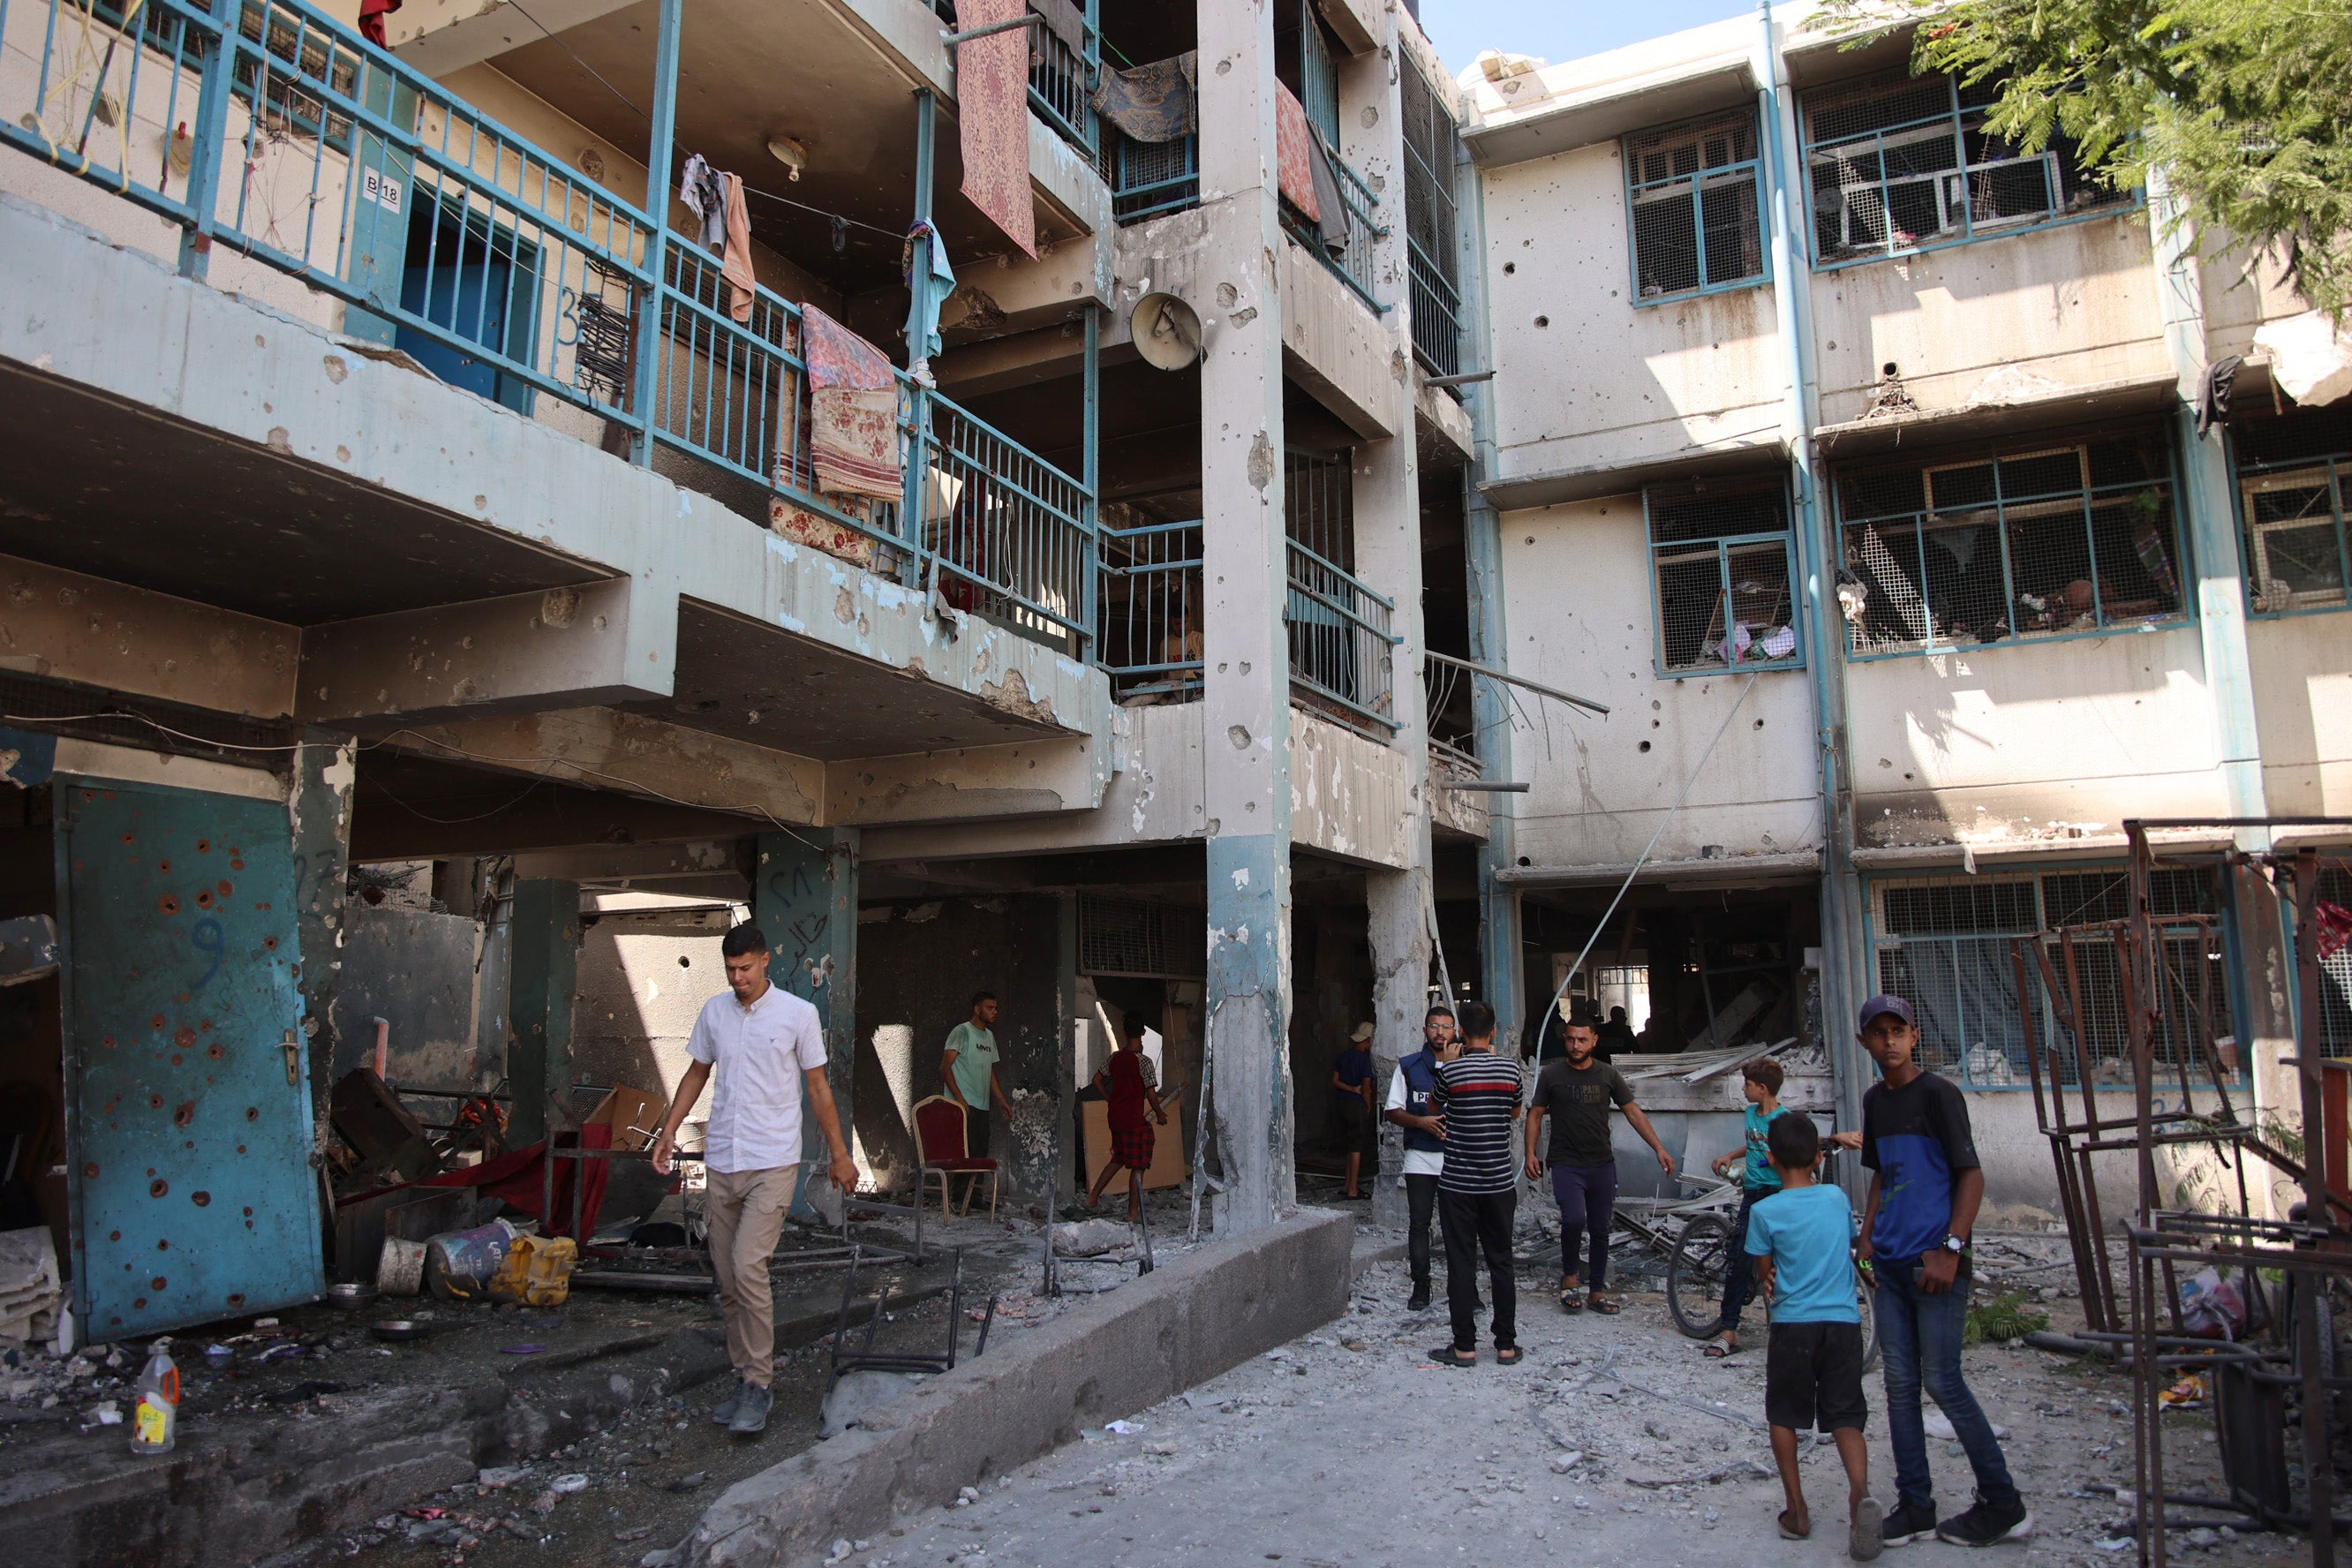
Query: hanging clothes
(852, 411)
(705, 198)
(1331, 213)
(925, 254)
(1294, 153)
(1157, 102)
(736, 265)
(372, 15)
(991, 80)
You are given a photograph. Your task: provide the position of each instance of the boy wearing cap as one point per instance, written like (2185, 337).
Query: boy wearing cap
(1925, 1187)
(1351, 1092)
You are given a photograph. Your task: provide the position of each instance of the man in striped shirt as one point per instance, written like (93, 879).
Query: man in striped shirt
(1478, 1093)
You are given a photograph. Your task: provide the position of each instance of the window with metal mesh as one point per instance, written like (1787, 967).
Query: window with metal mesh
(1943, 944)
(2292, 470)
(1130, 936)
(1903, 163)
(1431, 143)
(2034, 540)
(1694, 198)
(2336, 968)
(1722, 558)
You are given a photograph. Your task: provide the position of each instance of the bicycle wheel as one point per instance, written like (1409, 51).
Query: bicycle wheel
(1867, 1300)
(1695, 1276)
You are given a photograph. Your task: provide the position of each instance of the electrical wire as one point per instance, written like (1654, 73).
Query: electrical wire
(143, 718)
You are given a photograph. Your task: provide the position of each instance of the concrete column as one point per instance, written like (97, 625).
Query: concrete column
(805, 900)
(323, 775)
(1387, 495)
(545, 955)
(1246, 704)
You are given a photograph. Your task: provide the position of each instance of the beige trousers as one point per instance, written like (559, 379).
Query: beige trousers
(745, 1210)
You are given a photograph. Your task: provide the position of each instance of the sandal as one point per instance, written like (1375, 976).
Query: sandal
(1604, 1305)
(1571, 1300)
(1509, 1355)
(1789, 1535)
(1720, 1350)
(1446, 1355)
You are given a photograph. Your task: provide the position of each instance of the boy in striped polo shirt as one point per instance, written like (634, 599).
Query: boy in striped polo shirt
(1478, 1093)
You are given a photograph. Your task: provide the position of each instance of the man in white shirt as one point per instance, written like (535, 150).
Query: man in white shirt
(769, 1050)
(1410, 1107)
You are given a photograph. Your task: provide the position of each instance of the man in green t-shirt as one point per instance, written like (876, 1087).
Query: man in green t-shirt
(969, 1070)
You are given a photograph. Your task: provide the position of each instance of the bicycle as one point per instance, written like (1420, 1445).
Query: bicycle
(1701, 1252)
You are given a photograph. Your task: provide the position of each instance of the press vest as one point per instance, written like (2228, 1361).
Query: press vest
(1420, 1082)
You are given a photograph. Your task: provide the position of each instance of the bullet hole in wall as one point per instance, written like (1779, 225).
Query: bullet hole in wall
(1543, 320)
(1646, 745)
(1510, 267)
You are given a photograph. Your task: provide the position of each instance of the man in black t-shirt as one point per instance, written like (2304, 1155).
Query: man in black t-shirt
(1576, 1092)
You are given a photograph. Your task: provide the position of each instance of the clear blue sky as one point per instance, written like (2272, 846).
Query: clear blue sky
(1559, 30)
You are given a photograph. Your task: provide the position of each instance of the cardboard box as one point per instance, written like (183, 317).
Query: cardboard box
(623, 1110)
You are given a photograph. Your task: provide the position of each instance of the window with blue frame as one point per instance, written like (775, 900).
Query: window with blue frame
(1943, 943)
(2043, 537)
(2292, 469)
(1694, 204)
(1721, 558)
(1899, 163)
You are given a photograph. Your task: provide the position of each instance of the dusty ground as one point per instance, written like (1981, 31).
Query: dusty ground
(1348, 1447)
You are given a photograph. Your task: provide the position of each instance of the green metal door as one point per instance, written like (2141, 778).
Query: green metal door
(188, 1112)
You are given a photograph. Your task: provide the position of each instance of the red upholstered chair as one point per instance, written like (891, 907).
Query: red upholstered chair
(940, 1150)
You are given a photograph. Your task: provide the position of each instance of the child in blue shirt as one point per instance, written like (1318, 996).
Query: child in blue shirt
(1801, 1238)
(1762, 1081)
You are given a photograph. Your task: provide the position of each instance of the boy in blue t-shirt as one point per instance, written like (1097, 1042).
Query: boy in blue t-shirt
(1801, 1238)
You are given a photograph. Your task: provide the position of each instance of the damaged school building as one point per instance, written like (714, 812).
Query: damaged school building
(1179, 511)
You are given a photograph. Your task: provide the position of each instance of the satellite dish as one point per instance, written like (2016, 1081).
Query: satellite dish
(1167, 332)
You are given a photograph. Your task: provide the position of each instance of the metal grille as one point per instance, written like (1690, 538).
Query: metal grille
(1342, 658)
(1128, 936)
(1431, 145)
(2018, 542)
(1722, 560)
(2292, 473)
(2336, 970)
(1151, 616)
(1696, 215)
(1943, 943)
(1903, 162)
(1149, 178)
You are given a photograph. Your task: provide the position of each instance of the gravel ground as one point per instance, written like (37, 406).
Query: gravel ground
(1348, 1447)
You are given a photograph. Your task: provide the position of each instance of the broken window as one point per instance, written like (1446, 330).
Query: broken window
(2291, 474)
(1943, 943)
(1693, 201)
(1721, 556)
(2033, 540)
(1431, 145)
(1903, 163)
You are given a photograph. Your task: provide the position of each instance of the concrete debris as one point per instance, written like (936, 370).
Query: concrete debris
(1092, 1237)
(496, 1476)
(31, 1292)
(860, 1391)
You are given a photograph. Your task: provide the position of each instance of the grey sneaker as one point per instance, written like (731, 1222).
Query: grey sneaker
(723, 1413)
(751, 1411)
(1869, 1537)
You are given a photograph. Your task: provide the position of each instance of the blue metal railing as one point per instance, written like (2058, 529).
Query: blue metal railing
(1148, 178)
(269, 132)
(1343, 656)
(1062, 84)
(1352, 264)
(1151, 608)
(1436, 314)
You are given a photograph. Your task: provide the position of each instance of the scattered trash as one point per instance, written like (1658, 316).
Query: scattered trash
(496, 1476)
(1939, 1427)
(1124, 1428)
(564, 1486)
(2189, 1393)
(107, 1414)
(521, 1350)
(687, 1482)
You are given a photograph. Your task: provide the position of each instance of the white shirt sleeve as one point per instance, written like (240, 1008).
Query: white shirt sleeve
(808, 1046)
(699, 1044)
(1396, 1091)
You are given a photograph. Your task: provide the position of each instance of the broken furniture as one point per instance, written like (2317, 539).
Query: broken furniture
(370, 1119)
(865, 1358)
(1051, 1284)
(940, 1151)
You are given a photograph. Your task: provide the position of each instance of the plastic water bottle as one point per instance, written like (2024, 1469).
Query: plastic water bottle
(156, 1421)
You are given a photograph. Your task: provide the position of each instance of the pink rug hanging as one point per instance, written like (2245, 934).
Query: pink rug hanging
(852, 411)
(992, 114)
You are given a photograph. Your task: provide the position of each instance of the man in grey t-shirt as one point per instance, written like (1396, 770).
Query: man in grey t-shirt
(1576, 1091)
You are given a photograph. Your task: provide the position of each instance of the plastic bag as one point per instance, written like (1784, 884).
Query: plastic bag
(2211, 1308)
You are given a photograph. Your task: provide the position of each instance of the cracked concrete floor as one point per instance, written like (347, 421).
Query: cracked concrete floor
(1321, 1454)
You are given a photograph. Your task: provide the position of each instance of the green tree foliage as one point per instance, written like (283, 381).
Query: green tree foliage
(2246, 105)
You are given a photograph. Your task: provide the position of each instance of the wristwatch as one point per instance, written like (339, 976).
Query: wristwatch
(1956, 1244)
